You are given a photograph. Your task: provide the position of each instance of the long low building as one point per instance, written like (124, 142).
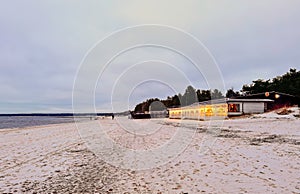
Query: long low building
(219, 108)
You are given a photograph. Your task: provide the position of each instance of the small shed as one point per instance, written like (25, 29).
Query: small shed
(247, 106)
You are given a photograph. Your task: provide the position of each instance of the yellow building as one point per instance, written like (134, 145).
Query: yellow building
(216, 109)
(219, 109)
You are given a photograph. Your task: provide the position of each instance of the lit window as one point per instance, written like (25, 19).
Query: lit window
(233, 107)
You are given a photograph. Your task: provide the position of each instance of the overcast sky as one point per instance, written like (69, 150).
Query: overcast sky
(42, 44)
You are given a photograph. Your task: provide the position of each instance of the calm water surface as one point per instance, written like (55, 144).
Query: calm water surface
(28, 121)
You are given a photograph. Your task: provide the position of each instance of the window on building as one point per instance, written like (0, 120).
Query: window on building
(233, 107)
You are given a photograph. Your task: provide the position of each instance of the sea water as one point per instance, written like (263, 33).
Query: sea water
(28, 121)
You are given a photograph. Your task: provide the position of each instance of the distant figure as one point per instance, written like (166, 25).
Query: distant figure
(112, 116)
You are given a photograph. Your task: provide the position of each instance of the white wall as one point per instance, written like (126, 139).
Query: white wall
(253, 107)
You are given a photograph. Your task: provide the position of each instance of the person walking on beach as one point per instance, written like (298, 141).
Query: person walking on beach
(112, 116)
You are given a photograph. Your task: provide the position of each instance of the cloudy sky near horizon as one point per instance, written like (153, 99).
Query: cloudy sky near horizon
(42, 44)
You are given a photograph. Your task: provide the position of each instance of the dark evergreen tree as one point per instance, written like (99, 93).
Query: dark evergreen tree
(203, 95)
(189, 97)
(288, 83)
(216, 94)
(231, 93)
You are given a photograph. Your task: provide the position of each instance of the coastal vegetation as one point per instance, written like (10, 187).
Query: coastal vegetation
(288, 83)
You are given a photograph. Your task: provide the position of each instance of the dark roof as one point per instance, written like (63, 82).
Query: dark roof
(263, 94)
(249, 100)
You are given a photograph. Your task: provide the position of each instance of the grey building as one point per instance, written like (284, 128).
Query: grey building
(247, 106)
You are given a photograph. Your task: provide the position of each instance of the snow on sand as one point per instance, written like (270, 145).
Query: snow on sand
(258, 154)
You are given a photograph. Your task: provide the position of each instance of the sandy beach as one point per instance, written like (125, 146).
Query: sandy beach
(255, 154)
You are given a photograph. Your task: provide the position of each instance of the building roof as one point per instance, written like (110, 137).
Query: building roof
(214, 101)
(249, 100)
(263, 94)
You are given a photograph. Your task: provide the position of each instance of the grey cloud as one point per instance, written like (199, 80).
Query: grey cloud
(42, 44)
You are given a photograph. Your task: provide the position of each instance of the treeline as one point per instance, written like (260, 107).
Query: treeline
(190, 96)
(288, 83)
